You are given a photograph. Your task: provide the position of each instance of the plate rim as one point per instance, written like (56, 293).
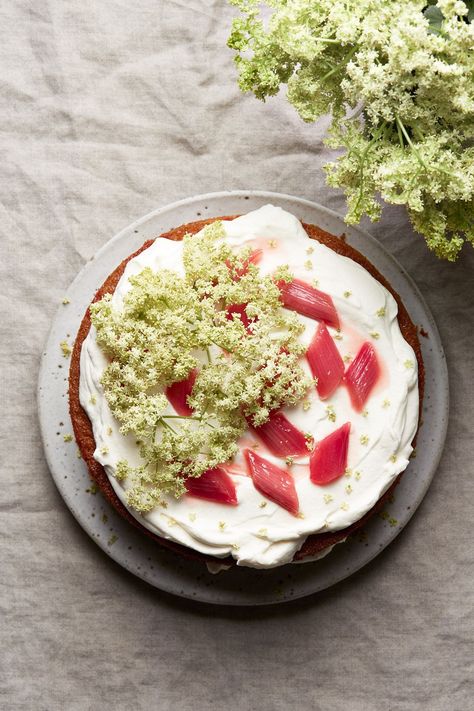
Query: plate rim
(277, 198)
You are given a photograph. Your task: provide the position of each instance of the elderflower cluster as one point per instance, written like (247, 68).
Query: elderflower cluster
(170, 325)
(405, 71)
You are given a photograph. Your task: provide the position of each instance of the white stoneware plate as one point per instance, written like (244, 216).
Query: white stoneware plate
(144, 558)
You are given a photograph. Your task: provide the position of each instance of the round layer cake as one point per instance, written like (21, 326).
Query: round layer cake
(328, 372)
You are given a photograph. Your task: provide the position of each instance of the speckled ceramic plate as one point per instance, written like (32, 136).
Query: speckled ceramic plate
(144, 558)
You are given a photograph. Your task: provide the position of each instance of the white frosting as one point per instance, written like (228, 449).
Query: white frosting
(269, 536)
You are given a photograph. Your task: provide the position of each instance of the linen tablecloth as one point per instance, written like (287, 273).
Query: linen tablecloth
(111, 109)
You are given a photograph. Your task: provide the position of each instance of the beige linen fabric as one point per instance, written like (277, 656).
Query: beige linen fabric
(110, 109)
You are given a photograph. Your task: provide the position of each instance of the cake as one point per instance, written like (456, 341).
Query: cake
(246, 390)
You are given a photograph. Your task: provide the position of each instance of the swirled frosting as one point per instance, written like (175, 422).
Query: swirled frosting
(257, 532)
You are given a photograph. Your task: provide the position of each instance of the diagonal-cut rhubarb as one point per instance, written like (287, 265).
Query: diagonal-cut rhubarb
(328, 459)
(325, 362)
(239, 309)
(362, 375)
(308, 301)
(281, 437)
(213, 485)
(253, 258)
(178, 393)
(271, 481)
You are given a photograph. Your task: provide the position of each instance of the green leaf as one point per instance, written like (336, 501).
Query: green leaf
(470, 6)
(435, 18)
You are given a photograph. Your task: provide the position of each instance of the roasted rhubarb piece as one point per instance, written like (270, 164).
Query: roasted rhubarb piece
(308, 301)
(328, 459)
(281, 437)
(239, 309)
(213, 485)
(253, 258)
(325, 362)
(362, 375)
(178, 393)
(271, 481)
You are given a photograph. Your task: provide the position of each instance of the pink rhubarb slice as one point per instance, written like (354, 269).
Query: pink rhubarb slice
(239, 309)
(178, 393)
(308, 301)
(253, 258)
(271, 481)
(362, 375)
(213, 485)
(325, 362)
(328, 459)
(281, 437)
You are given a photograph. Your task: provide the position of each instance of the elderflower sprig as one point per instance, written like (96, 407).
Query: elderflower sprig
(405, 71)
(166, 328)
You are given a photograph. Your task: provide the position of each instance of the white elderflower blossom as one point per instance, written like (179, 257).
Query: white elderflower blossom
(409, 69)
(153, 342)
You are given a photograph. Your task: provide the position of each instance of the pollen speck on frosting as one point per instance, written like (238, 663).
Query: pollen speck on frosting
(65, 349)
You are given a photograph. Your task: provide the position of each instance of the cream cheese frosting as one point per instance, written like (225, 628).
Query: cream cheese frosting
(257, 532)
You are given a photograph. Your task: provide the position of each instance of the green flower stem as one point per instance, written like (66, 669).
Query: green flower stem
(409, 141)
(165, 424)
(341, 65)
(375, 136)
